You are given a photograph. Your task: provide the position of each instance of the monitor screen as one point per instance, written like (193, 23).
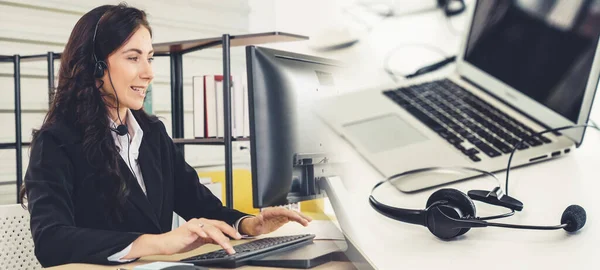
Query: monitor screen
(287, 150)
(544, 49)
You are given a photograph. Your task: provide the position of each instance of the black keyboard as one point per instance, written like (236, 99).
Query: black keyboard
(252, 250)
(464, 120)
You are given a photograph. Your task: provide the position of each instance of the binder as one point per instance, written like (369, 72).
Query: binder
(198, 86)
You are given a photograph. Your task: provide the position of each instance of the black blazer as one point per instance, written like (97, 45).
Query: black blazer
(68, 220)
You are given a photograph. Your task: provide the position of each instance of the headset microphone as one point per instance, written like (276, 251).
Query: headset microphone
(121, 130)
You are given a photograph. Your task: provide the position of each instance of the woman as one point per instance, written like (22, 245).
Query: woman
(104, 177)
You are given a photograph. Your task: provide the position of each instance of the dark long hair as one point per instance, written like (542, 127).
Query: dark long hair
(80, 103)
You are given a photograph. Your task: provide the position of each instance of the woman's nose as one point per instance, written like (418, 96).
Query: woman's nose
(147, 72)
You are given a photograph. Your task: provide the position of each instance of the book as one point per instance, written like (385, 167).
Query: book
(213, 115)
(210, 107)
(246, 110)
(220, 107)
(198, 87)
(237, 94)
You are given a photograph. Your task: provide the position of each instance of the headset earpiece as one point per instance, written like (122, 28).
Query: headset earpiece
(99, 68)
(457, 200)
(440, 225)
(452, 7)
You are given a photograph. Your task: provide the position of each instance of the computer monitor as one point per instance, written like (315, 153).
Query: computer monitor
(290, 148)
(288, 153)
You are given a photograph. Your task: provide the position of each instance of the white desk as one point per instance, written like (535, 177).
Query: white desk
(546, 189)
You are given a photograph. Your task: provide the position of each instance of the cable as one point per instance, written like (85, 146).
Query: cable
(455, 169)
(432, 67)
(447, 59)
(451, 27)
(389, 13)
(116, 96)
(427, 169)
(536, 135)
(129, 156)
(121, 121)
(512, 212)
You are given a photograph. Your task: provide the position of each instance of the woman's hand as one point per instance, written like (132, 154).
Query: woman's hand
(197, 232)
(270, 219)
(189, 236)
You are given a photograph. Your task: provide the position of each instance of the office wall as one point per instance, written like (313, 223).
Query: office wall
(37, 26)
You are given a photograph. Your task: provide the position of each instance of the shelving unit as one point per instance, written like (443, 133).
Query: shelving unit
(175, 51)
(18, 144)
(208, 141)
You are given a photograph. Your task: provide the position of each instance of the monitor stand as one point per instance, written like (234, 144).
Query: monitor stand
(307, 256)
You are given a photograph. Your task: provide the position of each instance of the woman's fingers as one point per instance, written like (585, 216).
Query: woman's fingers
(224, 227)
(216, 235)
(198, 228)
(211, 235)
(309, 219)
(291, 215)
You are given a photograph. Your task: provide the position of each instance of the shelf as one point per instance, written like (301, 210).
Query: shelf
(36, 57)
(6, 58)
(29, 58)
(239, 40)
(208, 141)
(12, 145)
(24, 110)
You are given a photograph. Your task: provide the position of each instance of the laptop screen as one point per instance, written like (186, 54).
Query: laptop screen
(543, 49)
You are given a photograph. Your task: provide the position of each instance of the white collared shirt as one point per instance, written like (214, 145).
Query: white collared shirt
(130, 149)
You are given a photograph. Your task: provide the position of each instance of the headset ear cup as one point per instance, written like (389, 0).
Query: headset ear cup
(445, 5)
(99, 69)
(457, 199)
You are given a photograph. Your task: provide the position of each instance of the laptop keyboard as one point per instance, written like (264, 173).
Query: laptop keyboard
(467, 122)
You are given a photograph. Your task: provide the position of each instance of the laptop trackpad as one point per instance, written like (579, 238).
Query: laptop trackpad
(383, 133)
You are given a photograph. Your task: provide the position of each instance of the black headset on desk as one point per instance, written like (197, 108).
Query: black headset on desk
(450, 213)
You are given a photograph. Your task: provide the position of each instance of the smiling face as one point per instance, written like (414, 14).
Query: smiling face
(130, 69)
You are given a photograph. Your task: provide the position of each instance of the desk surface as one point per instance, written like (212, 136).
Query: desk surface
(321, 228)
(546, 188)
(177, 257)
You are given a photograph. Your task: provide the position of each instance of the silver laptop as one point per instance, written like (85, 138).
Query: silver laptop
(524, 66)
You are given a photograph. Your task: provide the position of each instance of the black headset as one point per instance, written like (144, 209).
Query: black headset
(450, 213)
(99, 67)
(452, 7)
